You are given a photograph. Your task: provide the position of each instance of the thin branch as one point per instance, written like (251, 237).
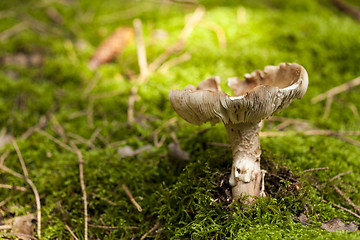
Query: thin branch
(23, 166)
(346, 210)
(13, 31)
(327, 110)
(13, 187)
(336, 90)
(347, 8)
(175, 61)
(61, 144)
(128, 193)
(83, 188)
(347, 199)
(33, 187)
(94, 136)
(42, 123)
(71, 232)
(25, 236)
(150, 231)
(141, 52)
(131, 105)
(103, 227)
(104, 199)
(315, 169)
(314, 132)
(178, 46)
(4, 156)
(340, 175)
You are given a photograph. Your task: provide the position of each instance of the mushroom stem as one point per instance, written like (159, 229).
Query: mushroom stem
(245, 178)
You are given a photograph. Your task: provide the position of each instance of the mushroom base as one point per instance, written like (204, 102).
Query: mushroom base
(245, 178)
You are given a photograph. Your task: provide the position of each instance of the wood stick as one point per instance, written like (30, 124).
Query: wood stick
(315, 169)
(178, 46)
(346, 210)
(328, 103)
(4, 156)
(33, 187)
(103, 227)
(128, 193)
(71, 232)
(347, 8)
(83, 188)
(61, 144)
(347, 199)
(175, 61)
(8, 186)
(141, 52)
(336, 90)
(340, 175)
(5, 227)
(24, 236)
(17, 28)
(104, 199)
(150, 231)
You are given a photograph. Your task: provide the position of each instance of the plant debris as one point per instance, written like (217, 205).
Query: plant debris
(24, 225)
(127, 151)
(112, 46)
(337, 224)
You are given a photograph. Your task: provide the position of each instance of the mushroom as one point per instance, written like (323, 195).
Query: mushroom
(261, 94)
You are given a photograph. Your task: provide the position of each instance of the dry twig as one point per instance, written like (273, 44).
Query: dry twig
(103, 227)
(193, 20)
(8, 186)
(347, 199)
(336, 90)
(347, 8)
(61, 144)
(315, 169)
(128, 193)
(340, 175)
(33, 187)
(19, 235)
(104, 199)
(346, 210)
(71, 232)
(83, 188)
(144, 71)
(174, 61)
(150, 231)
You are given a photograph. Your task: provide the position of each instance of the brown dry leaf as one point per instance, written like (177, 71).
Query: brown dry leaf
(24, 225)
(112, 46)
(337, 224)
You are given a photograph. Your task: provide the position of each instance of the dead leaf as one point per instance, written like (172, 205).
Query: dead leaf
(24, 225)
(112, 46)
(127, 151)
(337, 224)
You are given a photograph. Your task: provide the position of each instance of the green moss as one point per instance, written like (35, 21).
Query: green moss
(184, 201)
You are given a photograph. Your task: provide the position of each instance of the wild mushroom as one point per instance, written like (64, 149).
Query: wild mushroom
(258, 97)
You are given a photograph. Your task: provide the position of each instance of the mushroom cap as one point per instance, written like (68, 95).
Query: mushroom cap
(257, 97)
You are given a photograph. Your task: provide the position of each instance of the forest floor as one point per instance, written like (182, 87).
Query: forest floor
(92, 149)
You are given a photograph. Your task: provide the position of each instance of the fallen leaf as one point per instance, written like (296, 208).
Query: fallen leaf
(337, 224)
(112, 46)
(24, 225)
